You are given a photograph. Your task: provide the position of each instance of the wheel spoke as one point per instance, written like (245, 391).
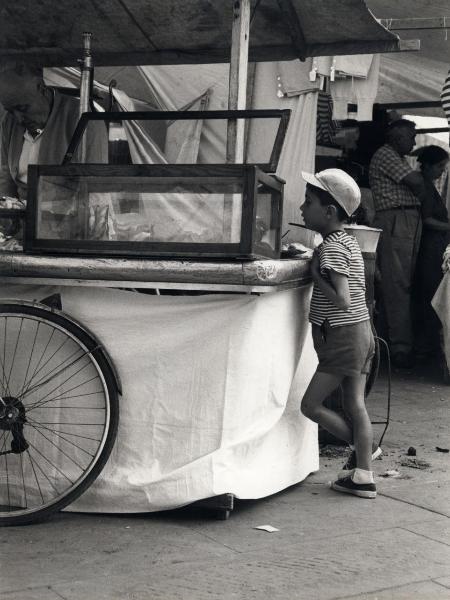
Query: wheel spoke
(54, 373)
(74, 395)
(15, 352)
(35, 462)
(56, 446)
(3, 437)
(50, 463)
(4, 379)
(6, 469)
(23, 480)
(77, 435)
(35, 475)
(51, 374)
(26, 381)
(61, 384)
(38, 427)
(45, 399)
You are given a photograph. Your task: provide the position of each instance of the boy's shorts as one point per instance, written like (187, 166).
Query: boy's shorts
(347, 350)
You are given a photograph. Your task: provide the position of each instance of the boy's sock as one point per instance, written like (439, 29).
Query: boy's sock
(362, 476)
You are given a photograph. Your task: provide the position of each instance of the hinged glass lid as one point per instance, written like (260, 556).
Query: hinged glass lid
(172, 134)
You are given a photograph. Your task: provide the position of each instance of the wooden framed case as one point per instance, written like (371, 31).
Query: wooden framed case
(182, 211)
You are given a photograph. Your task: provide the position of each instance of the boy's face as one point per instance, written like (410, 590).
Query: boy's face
(313, 212)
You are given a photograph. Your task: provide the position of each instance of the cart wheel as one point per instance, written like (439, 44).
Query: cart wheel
(58, 412)
(223, 514)
(445, 372)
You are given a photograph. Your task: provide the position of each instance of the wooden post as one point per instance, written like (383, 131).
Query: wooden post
(237, 93)
(237, 99)
(85, 85)
(85, 92)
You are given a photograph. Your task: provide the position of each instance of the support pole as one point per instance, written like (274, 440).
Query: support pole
(237, 93)
(85, 85)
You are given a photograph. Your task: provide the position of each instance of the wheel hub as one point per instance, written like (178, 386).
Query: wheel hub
(12, 418)
(12, 413)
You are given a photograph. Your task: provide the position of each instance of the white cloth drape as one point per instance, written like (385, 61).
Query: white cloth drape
(212, 386)
(441, 304)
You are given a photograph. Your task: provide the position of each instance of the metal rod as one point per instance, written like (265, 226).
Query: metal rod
(420, 104)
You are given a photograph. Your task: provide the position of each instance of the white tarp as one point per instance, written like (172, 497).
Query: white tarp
(210, 403)
(441, 304)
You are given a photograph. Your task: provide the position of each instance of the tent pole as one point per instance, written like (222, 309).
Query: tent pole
(237, 92)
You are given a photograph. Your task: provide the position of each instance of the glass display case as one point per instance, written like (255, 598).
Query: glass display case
(154, 210)
(175, 203)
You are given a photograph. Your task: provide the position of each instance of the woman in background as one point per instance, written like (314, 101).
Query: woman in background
(435, 237)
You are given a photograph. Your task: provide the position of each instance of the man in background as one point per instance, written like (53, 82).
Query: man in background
(37, 127)
(396, 189)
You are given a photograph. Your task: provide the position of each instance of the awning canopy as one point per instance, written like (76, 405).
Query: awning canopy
(139, 32)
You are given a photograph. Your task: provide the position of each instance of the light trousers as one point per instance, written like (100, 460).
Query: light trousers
(397, 254)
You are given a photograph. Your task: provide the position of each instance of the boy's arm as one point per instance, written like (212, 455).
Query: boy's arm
(338, 292)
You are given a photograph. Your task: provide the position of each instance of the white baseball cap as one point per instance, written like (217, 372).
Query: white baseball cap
(339, 184)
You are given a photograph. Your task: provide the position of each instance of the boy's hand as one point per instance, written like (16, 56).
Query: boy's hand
(315, 265)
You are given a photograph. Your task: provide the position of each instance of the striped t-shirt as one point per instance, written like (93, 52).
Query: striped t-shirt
(340, 252)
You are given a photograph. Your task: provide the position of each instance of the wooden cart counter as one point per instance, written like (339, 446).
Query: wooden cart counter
(257, 276)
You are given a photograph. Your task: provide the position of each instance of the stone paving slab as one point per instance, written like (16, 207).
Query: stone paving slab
(307, 511)
(402, 412)
(404, 434)
(445, 581)
(433, 496)
(423, 590)
(437, 529)
(62, 549)
(42, 593)
(326, 570)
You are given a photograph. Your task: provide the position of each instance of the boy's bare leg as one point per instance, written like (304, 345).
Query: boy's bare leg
(321, 386)
(355, 407)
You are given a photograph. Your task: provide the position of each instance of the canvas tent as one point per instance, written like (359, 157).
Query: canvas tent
(415, 76)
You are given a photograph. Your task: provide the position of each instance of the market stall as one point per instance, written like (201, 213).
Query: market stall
(210, 384)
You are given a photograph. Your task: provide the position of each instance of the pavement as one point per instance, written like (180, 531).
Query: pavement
(328, 546)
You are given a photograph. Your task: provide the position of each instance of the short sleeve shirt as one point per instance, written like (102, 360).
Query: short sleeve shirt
(29, 155)
(386, 171)
(340, 252)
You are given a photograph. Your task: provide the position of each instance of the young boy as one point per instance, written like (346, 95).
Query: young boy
(341, 326)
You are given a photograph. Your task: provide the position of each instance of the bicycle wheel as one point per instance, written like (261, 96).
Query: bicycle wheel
(58, 412)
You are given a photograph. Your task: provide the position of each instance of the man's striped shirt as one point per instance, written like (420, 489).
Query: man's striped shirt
(340, 252)
(445, 97)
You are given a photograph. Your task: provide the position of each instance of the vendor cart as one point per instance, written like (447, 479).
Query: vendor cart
(72, 329)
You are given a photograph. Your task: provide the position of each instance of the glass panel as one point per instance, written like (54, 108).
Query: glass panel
(184, 141)
(267, 219)
(140, 209)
